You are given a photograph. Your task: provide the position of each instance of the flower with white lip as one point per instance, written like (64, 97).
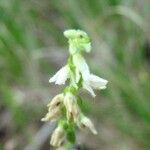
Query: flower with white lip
(58, 137)
(85, 122)
(71, 105)
(65, 106)
(61, 76)
(54, 108)
(90, 81)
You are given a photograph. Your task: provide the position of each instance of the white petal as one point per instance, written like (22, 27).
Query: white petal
(81, 64)
(97, 82)
(88, 47)
(70, 33)
(88, 88)
(53, 78)
(61, 76)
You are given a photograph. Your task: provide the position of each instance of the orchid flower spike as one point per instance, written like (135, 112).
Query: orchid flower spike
(65, 107)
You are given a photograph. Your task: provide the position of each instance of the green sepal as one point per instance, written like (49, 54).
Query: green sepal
(79, 101)
(70, 89)
(63, 111)
(79, 84)
(63, 123)
(71, 65)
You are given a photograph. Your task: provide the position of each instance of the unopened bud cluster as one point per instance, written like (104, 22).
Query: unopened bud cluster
(64, 107)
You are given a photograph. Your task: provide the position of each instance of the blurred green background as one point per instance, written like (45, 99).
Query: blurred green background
(32, 48)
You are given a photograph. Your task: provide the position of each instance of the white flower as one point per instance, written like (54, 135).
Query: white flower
(71, 105)
(61, 76)
(57, 137)
(54, 108)
(85, 122)
(90, 81)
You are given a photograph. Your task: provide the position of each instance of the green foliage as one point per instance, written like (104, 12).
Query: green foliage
(28, 27)
(17, 112)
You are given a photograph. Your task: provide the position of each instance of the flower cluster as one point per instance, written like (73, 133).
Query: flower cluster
(64, 107)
